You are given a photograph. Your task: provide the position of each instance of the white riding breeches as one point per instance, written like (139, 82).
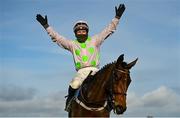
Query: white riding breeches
(81, 75)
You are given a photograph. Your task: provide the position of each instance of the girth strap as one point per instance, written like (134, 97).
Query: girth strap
(90, 108)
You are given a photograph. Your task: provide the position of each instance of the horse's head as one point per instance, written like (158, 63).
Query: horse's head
(120, 81)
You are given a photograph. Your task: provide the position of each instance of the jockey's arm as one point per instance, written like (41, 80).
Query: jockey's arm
(111, 27)
(60, 40)
(105, 33)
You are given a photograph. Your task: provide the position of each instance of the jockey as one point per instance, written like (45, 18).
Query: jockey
(85, 49)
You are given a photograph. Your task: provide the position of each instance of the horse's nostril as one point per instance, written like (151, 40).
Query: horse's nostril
(119, 109)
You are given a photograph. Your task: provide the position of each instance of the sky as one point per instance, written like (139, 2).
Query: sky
(35, 72)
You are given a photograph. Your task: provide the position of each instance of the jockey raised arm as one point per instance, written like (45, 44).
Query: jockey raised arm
(85, 49)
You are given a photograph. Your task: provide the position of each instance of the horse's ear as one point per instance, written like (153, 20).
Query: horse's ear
(120, 59)
(130, 65)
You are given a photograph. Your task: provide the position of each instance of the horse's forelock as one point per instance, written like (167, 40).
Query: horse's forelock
(124, 64)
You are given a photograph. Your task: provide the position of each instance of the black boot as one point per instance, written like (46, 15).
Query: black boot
(71, 93)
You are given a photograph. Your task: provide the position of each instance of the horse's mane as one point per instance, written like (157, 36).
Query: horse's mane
(104, 68)
(90, 78)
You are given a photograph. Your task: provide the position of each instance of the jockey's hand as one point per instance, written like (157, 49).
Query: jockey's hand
(43, 21)
(119, 10)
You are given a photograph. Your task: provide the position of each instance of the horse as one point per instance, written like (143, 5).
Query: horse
(103, 92)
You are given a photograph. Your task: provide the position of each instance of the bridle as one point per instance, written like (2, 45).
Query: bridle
(111, 93)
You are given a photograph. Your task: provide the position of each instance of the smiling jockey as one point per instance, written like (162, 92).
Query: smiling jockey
(85, 49)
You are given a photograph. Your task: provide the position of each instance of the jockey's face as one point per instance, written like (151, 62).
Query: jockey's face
(81, 35)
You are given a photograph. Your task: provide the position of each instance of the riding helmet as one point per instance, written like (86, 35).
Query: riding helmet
(81, 25)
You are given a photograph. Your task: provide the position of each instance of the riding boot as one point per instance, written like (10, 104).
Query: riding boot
(71, 93)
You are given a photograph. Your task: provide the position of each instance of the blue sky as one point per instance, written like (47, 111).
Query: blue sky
(35, 72)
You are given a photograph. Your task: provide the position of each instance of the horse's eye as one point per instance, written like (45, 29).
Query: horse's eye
(115, 75)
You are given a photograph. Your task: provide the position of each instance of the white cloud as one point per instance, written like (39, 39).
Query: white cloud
(160, 102)
(157, 98)
(50, 105)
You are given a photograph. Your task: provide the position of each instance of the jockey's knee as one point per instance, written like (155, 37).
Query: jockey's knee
(75, 84)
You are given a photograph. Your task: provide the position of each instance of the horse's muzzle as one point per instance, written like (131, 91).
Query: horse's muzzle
(119, 110)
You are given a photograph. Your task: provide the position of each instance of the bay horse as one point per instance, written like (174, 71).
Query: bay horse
(103, 92)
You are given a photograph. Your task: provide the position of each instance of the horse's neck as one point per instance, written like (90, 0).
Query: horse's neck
(97, 89)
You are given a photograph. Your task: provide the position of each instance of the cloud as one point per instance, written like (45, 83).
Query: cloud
(156, 98)
(25, 105)
(15, 93)
(160, 102)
